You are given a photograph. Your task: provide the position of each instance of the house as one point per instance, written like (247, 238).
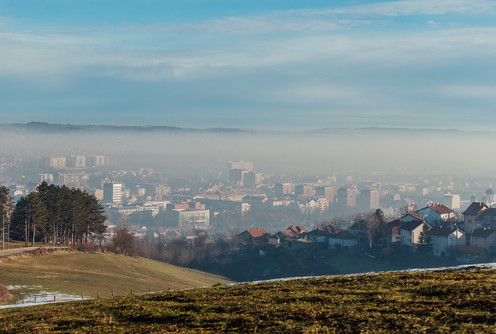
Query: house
(291, 233)
(471, 213)
(343, 239)
(410, 233)
(436, 214)
(253, 237)
(446, 239)
(294, 245)
(395, 226)
(486, 218)
(484, 238)
(322, 234)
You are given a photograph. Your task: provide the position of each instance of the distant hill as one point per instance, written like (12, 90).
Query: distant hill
(443, 301)
(69, 128)
(99, 273)
(44, 127)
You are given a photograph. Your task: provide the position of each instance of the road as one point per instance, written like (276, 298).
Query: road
(16, 251)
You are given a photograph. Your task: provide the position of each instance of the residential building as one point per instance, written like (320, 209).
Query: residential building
(410, 233)
(484, 238)
(342, 239)
(347, 196)
(471, 213)
(253, 237)
(58, 162)
(436, 214)
(445, 239)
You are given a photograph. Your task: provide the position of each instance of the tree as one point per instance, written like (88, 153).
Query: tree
(424, 241)
(376, 226)
(58, 214)
(6, 206)
(124, 242)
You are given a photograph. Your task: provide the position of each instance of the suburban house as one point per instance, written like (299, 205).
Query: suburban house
(410, 233)
(471, 213)
(321, 234)
(395, 225)
(446, 239)
(343, 239)
(486, 218)
(253, 237)
(484, 238)
(436, 214)
(291, 233)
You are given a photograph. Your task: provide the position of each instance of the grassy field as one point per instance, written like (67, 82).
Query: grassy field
(89, 274)
(461, 300)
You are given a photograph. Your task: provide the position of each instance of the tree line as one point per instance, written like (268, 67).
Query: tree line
(54, 214)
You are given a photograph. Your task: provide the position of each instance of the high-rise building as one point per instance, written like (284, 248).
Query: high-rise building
(325, 191)
(243, 165)
(304, 190)
(453, 201)
(58, 162)
(347, 196)
(369, 199)
(112, 193)
(249, 179)
(78, 161)
(96, 161)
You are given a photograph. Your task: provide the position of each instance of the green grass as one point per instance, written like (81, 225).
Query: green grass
(88, 274)
(448, 301)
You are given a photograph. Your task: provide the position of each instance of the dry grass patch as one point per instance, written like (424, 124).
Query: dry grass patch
(435, 301)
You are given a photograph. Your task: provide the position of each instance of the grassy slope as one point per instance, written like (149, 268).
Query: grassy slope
(82, 273)
(439, 301)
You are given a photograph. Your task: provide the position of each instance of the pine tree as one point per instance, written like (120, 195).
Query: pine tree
(5, 211)
(424, 241)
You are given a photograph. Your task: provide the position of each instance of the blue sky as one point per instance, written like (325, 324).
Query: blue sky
(250, 64)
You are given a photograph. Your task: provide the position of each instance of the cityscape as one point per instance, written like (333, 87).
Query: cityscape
(248, 166)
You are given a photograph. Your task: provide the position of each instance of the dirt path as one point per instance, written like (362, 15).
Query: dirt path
(16, 251)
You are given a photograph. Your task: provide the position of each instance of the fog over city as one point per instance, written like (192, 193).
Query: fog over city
(192, 152)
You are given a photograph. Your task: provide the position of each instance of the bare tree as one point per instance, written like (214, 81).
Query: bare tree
(375, 226)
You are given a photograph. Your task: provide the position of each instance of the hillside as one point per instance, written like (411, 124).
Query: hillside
(99, 273)
(455, 300)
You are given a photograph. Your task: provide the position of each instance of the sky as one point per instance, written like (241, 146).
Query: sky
(257, 64)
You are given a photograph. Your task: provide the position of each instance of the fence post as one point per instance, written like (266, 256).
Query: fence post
(98, 294)
(131, 292)
(112, 292)
(53, 298)
(149, 289)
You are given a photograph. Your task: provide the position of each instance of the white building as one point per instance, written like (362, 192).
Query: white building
(444, 240)
(112, 193)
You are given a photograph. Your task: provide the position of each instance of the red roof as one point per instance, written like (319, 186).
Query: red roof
(257, 232)
(416, 216)
(288, 233)
(440, 208)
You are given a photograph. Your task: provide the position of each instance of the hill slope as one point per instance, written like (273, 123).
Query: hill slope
(89, 274)
(460, 300)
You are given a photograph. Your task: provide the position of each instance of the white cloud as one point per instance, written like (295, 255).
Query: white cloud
(420, 7)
